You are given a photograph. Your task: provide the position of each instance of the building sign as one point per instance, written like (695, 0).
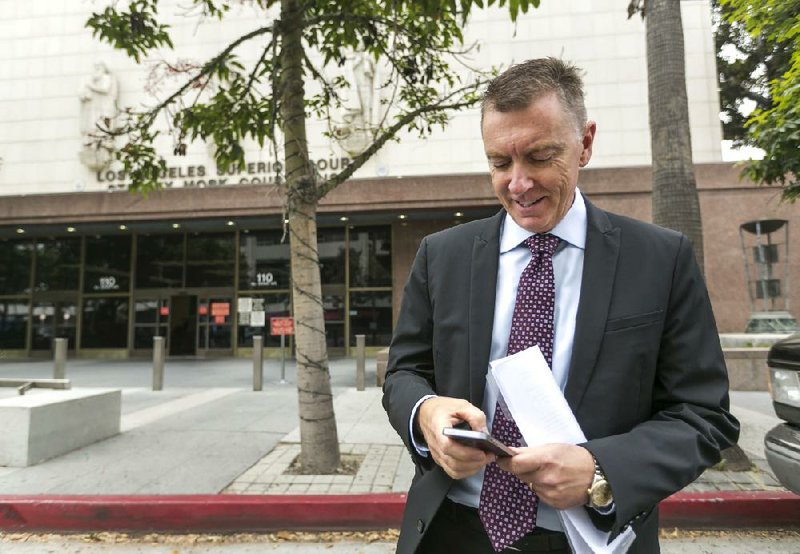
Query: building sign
(258, 319)
(264, 279)
(245, 305)
(281, 326)
(203, 176)
(220, 309)
(251, 312)
(106, 283)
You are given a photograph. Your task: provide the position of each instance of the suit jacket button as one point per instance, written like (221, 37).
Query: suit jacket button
(420, 525)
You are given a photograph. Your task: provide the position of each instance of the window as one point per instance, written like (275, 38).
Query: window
(159, 261)
(53, 320)
(209, 260)
(370, 257)
(13, 323)
(108, 264)
(333, 312)
(149, 320)
(105, 323)
(263, 261)
(371, 316)
(214, 319)
(270, 305)
(58, 262)
(332, 249)
(15, 259)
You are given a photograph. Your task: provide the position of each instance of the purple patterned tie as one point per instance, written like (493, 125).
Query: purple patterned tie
(507, 506)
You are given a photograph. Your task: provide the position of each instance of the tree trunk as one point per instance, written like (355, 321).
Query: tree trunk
(319, 442)
(675, 201)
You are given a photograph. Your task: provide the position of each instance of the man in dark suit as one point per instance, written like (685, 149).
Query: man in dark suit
(634, 344)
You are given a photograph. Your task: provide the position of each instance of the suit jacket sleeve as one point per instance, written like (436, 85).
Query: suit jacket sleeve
(409, 374)
(689, 419)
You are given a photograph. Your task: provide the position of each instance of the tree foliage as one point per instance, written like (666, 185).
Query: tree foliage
(232, 97)
(746, 64)
(225, 101)
(774, 127)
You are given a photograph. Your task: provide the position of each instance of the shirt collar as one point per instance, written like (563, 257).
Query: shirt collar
(571, 229)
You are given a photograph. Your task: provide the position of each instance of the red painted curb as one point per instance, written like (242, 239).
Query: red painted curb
(245, 513)
(729, 509)
(201, 513)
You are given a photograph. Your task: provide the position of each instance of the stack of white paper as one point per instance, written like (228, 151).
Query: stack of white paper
(541, 412)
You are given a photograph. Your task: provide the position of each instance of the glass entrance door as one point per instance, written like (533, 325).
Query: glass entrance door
(53, 319)
(183, 325)
(333, 306)
(214, 316)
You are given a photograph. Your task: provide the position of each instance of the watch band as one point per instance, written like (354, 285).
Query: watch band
(600, 496)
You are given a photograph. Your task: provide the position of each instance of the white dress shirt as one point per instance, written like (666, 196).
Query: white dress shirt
(568, 271)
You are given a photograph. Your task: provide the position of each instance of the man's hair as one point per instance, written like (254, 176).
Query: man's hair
(521, 84)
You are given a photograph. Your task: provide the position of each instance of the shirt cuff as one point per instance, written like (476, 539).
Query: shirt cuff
(421, 449)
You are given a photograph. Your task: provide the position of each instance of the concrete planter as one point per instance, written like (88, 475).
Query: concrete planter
(42, 425)
(746, 358)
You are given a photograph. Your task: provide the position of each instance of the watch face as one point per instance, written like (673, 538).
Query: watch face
(601, 494)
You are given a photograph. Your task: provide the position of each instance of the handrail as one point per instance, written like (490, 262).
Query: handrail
(24, 385)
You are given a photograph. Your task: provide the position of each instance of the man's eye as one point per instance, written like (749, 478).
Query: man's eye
(499, 164)
(541, 159)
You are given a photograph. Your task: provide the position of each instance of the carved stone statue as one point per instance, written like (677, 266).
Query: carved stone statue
(355, 131)
(98, 98)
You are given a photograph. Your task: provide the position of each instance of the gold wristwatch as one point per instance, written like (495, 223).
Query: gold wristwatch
(600, 496)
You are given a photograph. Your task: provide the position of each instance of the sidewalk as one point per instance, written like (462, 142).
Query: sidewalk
(209, 436)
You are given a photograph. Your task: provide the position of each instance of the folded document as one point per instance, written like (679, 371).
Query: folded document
(532, 397)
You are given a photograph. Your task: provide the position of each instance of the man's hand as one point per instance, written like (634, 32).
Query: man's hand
(458, 460)
(560, 474)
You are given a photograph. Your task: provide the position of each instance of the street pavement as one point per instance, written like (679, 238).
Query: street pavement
(204, 430)
(208, 432)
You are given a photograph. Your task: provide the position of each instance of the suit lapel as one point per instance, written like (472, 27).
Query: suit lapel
(599, 266)
(483, 285)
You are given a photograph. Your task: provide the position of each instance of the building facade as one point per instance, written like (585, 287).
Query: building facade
(204, 262)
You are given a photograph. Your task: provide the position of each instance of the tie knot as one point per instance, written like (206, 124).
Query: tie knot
(545, 243)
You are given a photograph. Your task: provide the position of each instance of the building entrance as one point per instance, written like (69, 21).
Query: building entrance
(206, 293)
(183, 325)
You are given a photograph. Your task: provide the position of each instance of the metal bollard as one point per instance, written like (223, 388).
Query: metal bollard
(360, 362)
(158, 363)
(258, 362)
(60, 359)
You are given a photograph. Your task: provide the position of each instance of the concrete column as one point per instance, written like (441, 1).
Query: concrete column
(60, 359)
(360, 362)
(158, 363)
(258, 362)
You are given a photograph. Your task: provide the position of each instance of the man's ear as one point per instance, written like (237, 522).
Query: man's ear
(587, 140)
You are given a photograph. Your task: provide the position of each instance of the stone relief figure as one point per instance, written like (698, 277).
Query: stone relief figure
(355, 131)
(98, 98)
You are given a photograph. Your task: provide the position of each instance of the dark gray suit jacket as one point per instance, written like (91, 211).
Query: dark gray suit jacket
(647, 381)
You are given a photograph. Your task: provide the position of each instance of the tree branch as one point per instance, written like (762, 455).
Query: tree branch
(207, 68)
(389, 133)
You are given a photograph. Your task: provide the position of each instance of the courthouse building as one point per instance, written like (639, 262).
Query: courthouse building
(204, 262)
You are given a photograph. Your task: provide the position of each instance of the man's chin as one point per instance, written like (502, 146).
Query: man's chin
(533, 223)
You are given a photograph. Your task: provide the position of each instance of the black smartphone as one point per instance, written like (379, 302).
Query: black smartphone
(478, 439)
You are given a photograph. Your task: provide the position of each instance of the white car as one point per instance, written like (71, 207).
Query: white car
(782, 443)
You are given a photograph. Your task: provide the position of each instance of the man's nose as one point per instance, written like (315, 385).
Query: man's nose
(520, 182)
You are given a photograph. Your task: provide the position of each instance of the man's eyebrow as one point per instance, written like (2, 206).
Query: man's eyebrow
(548, 146)
(536, 148)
